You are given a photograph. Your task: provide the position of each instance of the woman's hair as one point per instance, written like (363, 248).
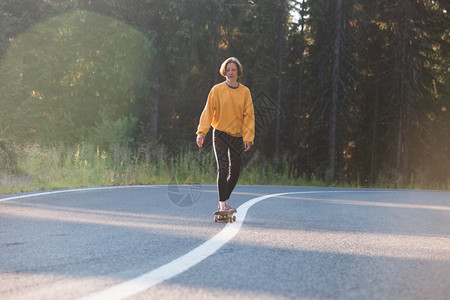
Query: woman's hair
(229, 60)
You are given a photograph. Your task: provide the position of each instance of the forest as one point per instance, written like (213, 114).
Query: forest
(345, 92)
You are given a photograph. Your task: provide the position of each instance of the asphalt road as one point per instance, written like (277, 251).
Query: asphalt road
(160, 242)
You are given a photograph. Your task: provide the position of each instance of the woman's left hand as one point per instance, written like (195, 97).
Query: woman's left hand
(247, 147)
(200, 140)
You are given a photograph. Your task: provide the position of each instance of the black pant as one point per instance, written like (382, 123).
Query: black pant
(228, 150)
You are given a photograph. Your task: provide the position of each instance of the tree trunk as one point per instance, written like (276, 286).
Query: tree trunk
(280, 83)
(405, 156)
(403, 98)
(334, 91)
(300, 90)
(216, 55)
(156, 99)
(300, 83)
(373, 160)
(300, 93)
(154, 128)
(300, 70)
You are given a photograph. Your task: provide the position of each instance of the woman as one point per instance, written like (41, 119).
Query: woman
(229, 109)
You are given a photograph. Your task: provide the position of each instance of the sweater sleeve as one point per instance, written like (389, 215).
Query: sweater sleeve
(249, 121)
(207, 115)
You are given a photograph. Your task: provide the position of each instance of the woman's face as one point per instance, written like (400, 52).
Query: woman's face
(231, 71)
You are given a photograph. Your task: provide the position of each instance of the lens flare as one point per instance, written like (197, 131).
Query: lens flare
(63, 76)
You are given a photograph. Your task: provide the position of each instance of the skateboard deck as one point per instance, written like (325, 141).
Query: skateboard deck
(224, 217)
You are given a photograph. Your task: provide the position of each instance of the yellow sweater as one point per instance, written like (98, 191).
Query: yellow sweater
(229, 110)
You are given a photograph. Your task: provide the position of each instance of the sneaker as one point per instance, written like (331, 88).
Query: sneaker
(225, 206)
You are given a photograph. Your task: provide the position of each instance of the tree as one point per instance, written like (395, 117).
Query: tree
(363, 84)
(335, 79)
(281, 42)
(64, 75)
(414, 30)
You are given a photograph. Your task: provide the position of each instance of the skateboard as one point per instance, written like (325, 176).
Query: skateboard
(224, 217)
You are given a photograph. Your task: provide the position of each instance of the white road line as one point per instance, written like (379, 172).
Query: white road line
(185, 262)
(78, 190)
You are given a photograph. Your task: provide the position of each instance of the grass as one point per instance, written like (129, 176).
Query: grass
(60, 167)
(85, 165)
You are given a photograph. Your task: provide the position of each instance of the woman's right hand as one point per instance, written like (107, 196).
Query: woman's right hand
(200, 139)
